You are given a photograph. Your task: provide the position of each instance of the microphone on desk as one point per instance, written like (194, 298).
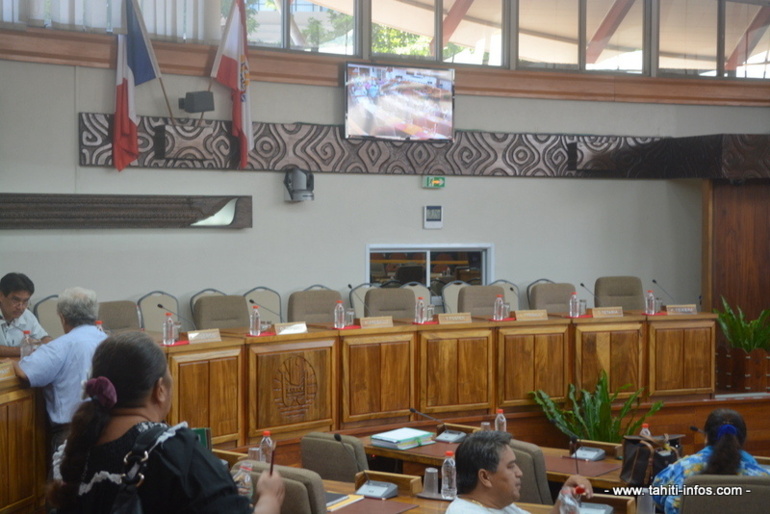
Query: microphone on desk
(358, 297)
(370, 488)
(251, 301)
(591, 292)
(447, 436)
(352, 454)
(192, 324)
(573, 443)
(661, 288)
(415, 411)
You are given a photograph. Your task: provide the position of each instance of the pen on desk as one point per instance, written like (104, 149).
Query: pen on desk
(272, 456)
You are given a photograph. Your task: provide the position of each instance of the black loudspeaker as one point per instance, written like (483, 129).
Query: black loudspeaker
(197, 101)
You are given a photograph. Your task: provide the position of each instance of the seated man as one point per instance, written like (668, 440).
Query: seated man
(15, 291)
(488, 479)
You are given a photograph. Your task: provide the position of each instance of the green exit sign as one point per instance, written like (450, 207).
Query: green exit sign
(433, 182)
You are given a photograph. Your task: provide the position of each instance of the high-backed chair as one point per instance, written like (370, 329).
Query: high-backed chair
(419, 289)
(270, 302)
(531, 286)
(304, 489)
(551, 297)
(45, 311)
(398, 303)
(152, 315)
(216, 311)
(510, 291)
(449, 294)
(356, 298)
(410, 273)
(120, 315)
(625, 292)
(756, 501)
(478, 300)
(534, 481)
(332, 459)
(314, 306)
(210, 291)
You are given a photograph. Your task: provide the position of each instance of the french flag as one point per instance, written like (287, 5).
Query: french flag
(231, 69)
(136, 65)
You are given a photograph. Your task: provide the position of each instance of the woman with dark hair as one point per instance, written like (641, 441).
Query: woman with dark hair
(130, 393)
(723, 455)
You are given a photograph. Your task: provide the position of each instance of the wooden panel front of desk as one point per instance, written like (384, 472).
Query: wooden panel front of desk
(208, 388)
(456, 370)
(292, 385)
(681, 354)
(614, 345)
(533, 356)
(376, 376)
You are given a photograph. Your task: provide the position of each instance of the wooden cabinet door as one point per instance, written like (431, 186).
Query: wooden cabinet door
(292, 387)
(208, 392)
(614, 347)
(21, 451)
(377, 377)
(456, 371)
(681, 355)
(531, 358)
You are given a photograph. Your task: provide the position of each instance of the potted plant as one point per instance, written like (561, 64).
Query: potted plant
(743, 365)
(590, 415)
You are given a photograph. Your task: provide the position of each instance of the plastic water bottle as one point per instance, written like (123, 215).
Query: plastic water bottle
(501, 424)
(168, 330)
(499, 313)
(419, 311)
(242, 479)
(255, 322)
(339, 315)
(569, 500)
(649, 303)
(645, 431)
(27, 345)
(449, 476)
(574, 305)
(266, 447)
(644, 502)
(99, 325)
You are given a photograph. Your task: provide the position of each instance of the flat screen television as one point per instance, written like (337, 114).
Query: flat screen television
(399, 102)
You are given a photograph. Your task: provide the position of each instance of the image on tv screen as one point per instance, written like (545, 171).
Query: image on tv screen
(395, 102)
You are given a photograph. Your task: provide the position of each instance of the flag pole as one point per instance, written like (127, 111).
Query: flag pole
(168, 104)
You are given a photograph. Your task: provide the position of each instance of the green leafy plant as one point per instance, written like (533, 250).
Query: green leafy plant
(589, 415)
(743, 334)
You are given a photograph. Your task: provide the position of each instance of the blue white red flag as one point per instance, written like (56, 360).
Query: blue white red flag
(136, 65)
(231, 68)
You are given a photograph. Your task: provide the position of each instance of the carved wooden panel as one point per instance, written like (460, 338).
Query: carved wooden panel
(456, 371)
(682, 357)
(292, 387)
(613, 347)
(531, 358)
(377, 376)
(18, 439)
(208, 392)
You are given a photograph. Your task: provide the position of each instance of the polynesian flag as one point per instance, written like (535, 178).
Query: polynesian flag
(136, 65)
(231, 69)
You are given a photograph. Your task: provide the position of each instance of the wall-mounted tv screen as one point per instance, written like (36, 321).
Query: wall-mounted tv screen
(399, 102)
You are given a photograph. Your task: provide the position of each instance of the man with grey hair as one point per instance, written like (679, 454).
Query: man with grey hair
(61, 366)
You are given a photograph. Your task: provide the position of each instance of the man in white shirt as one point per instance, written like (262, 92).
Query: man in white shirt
(488, 478)
(15, 291)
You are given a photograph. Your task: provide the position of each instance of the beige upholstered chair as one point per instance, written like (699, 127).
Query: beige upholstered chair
(221, 312)
(332, 459)
(152, 315)
(304, 488)
(551, 297)
(419, 289)
(625, 292)
(756, 501)
(314, 306)
(120, 315)
(210, 291)
(398, 303)
(534, 480)
(270, 302)
(478, 300)
(511, 292)
(45, 311)
(449, 294)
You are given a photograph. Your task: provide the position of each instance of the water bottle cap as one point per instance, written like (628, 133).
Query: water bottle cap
(499, 296)
(449, 453)
(645, 425)
(255, 306)
(98, 322)
(266, 433)
(580, 489)
(167, 314)
(499, 411)
(339, 301)
(246, 467)
(420, 298)
(26, 332)
(649, 290)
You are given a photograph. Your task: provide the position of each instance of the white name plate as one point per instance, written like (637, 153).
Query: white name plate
(531, 315)
(377, 322)
(449, 319)
(6, 370)
(290, 328)
(210, 335)
(687, 308)
(607, 312)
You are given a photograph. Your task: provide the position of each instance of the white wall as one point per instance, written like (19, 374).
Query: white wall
(566, 229)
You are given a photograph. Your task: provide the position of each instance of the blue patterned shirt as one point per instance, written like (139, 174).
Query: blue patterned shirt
(676, 473)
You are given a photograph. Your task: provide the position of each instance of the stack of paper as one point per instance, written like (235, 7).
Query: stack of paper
(403, 438)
